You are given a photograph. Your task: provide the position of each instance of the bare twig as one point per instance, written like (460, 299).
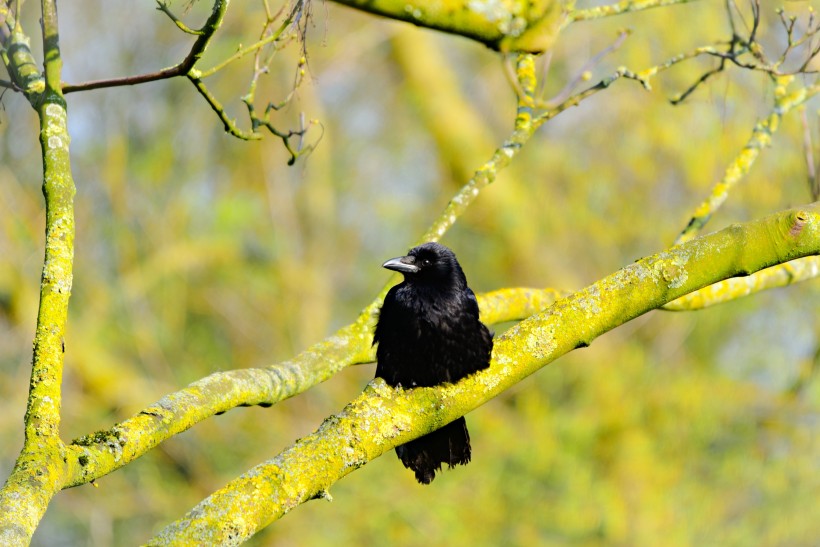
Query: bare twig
(747, 53)
(575, 100)
(583, 73)
(275, 35)
(205, 34)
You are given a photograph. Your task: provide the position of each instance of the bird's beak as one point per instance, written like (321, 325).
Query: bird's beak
(403, 264)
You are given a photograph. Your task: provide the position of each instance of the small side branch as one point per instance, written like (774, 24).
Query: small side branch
(619, 8)
(761, 138)
(486, 174)
(204, 36)
(781, 275)
(575, 100)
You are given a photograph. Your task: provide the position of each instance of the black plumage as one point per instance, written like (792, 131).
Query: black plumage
(428, 334)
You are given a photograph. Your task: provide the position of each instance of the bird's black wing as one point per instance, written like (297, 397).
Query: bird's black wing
(397, 334)
(464, 343)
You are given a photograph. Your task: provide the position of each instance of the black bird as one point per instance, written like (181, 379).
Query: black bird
(428, 334)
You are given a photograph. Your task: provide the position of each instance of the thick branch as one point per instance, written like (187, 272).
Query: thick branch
(382, 418)
(41, 467)
(100, 453)
(508, 25)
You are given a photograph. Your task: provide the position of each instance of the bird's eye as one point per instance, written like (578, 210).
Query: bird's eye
(426, 262)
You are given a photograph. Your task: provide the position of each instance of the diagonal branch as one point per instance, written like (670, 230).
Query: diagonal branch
(204, 36)
(486, 174)
(382, 418)
(761, 137)
(781, 275)
(98, 454)
(619, 8)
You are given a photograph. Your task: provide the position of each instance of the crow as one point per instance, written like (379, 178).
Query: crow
(428, 333)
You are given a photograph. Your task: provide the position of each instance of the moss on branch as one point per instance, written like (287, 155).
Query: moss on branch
(504, 25)
(40, 469)
(727, 290)
(382, 418)
(100, 453)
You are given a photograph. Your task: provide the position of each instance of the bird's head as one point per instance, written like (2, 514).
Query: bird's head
(429, 263)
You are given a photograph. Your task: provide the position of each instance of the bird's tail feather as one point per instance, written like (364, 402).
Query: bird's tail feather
(450, 445)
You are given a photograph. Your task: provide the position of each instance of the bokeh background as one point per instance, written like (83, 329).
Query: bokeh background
(197, 252)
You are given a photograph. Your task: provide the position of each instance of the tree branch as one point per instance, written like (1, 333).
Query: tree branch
(619, 8)
(41, 467)
(100, 453)
(486, 174)
(761, 137)
(382, 418)
(781, 275)
(21, 65)
(510, 26)
(184, 67)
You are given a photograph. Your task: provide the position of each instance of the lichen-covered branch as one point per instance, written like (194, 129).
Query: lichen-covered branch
(19, 61)
(39, 471)
(486, 174)
(507, 25)
(105, 451)
(100, 453)
(618, 8)
(781, 275)
(382, 418)
(97, 454)
(784, 102)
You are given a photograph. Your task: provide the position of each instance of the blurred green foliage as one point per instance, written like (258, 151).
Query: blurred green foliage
(197, 252)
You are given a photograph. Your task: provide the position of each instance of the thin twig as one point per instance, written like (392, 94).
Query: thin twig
(618, 8)
(583, 73)
(205, 34)
(163, 7)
